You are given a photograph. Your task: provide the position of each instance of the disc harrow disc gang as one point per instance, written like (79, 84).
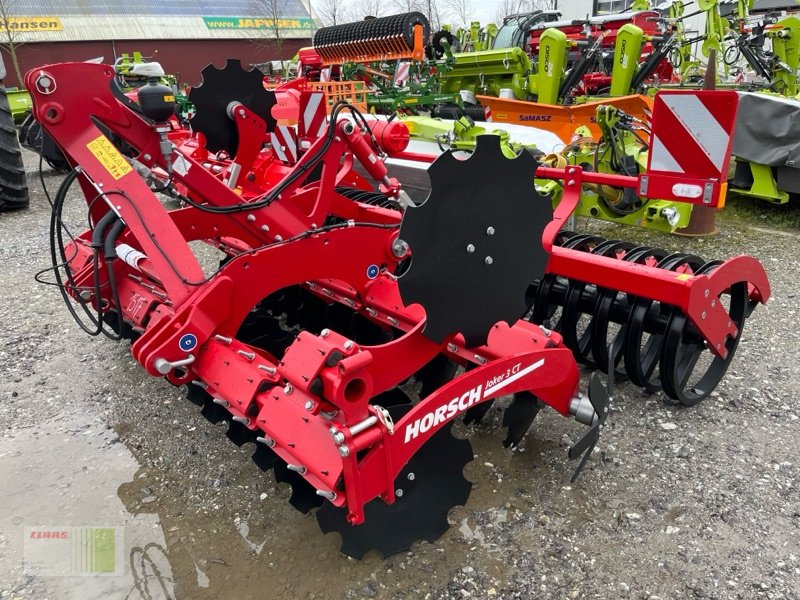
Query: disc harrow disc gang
(426, 489)
(475, 242)
(221, 87)
(387, 37)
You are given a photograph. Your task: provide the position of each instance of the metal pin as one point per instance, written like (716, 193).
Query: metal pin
(288, 389)
(297, 469)
(703, 315)
(490, 231)
(372, 312)
(327, 495)
(393, 321)
(488, 260)
(452, 347)
(265, 440)
(309, 405)
(201, 384)
(344, 451)
(411, 477)
(265, 228)
(223, 339)
(348, 345)
(278, 238)
(246, 354)
(251, 218)
(325, 333)
(338, 437)
(470, 248)
(398, 493)
(243, 420)
(221, 402)
(365, 424)
(268, 369)
(480, 359)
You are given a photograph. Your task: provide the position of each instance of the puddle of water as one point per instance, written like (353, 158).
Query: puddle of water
(62, 474)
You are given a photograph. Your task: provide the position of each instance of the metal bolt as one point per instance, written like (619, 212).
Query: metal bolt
(488, 260)
(706, 293)
(222, 338)
(398, 493)
(265, 228)
(703, 315)
(452, 347)
(251, 218)
(344, 451)
(325, 333)
(309, 405)
(571, 182)
(243, 420)
(479, 358)
(713, 303)
(288, 389)
(221, 402)
(348, 345)
(265, 440)
(470, 248)
(399, 248)
(270, 370)
(278, 238)
(338, 437)
(297, 469)
(411, 477)
(147, 157)
(241, 112)
(490, 231)
(246, 354)
(327, 495)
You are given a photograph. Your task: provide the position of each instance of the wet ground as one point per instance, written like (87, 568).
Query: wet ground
(676, 503)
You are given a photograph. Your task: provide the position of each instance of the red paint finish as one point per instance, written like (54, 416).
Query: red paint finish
(182, 58)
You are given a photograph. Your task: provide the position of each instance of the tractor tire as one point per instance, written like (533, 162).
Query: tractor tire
(13, 185)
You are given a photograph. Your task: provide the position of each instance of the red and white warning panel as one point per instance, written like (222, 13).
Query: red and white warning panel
(690, 146)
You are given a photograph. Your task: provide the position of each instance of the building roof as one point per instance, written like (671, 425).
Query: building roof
(84, 20)
(774, 5)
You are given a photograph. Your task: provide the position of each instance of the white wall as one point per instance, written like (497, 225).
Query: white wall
(575, 9)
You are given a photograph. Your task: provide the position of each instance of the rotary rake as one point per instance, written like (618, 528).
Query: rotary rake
(332, 297)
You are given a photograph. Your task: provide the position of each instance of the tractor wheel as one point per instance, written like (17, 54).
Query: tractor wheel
(13, 186)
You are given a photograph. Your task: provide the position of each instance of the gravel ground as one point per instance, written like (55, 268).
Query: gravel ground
(676, 503)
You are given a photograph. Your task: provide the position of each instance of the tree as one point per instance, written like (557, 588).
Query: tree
(10, 37)
(460, 10)
(274, 13)
(332, 12)
(364, 8)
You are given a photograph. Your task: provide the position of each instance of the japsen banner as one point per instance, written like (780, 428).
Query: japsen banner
(258, 23)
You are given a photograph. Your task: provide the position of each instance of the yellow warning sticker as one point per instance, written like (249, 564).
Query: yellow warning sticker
(169, 98)
(684, 276)
(109, 157)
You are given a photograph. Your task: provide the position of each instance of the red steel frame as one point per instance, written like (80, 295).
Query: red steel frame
(312, 404)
